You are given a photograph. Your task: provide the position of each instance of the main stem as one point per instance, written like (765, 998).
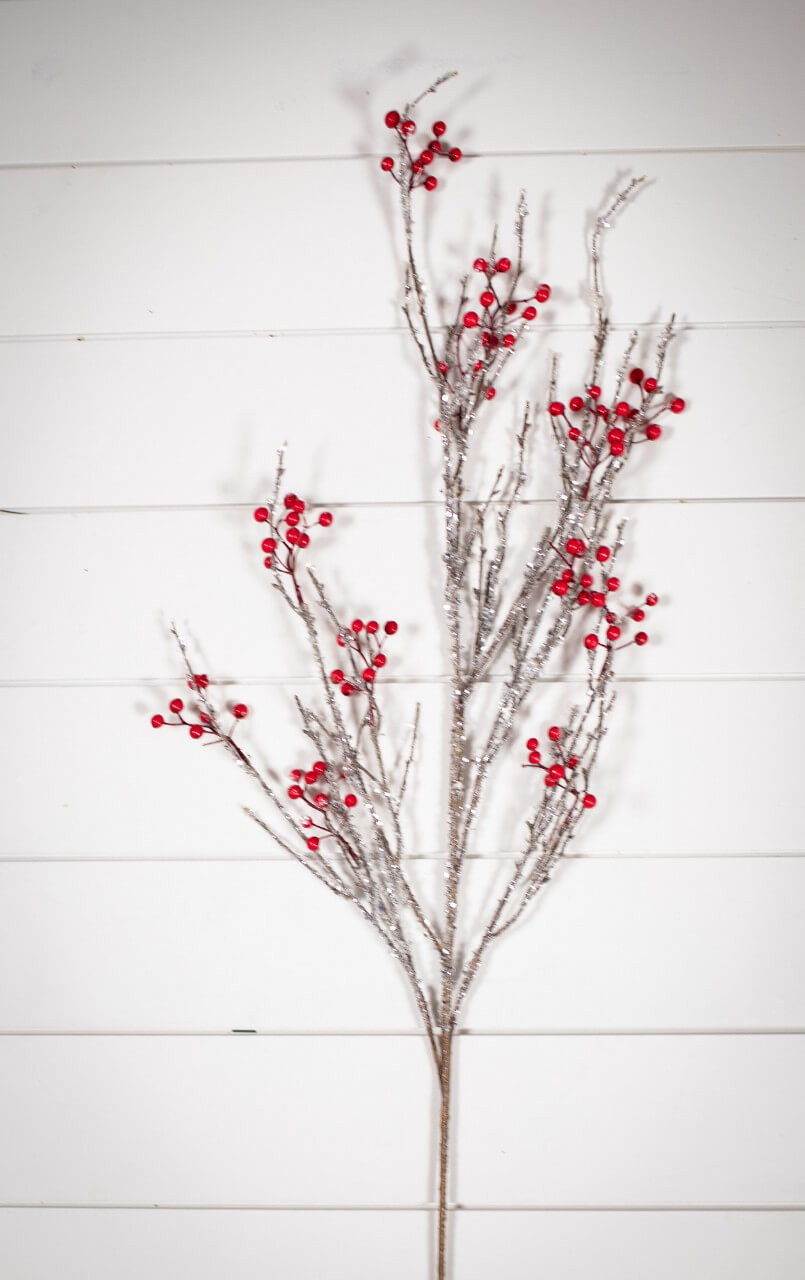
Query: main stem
(445, 1080)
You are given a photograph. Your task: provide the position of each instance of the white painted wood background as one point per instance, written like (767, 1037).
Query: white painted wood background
(198, 263)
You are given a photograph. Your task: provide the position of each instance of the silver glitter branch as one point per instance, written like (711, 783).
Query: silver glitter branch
(517, 596)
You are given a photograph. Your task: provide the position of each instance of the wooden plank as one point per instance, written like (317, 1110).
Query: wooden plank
(90, 593)
(250, 247)
(90, 1244)
(187, 421)
(197, 80)
(646, 1121)
(197, 947)
(87, 776)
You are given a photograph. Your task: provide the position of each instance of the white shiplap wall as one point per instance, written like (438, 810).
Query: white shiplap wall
(197, 263)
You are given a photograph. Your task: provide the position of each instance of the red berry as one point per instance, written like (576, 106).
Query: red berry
(534, 757)
(296, 774)
(455, 154)
(311, 776)
(651, 599)
(347, 689)
(653, 432)
(591, 641)
(321, 801)
(613, 584)
(530, 313)
(677, 405)
(387, 164)
(427, 156)
(636, 376)
(616, 448)
(586, 579)
(442, 367)
(554, 733)
(313, 843)
(602, 411)
(556, 408)
(390, 628)
(480, 264)
(503, 264)
(269, 544)
(350, 800)
(623, 409)
(559, 588)
(431, 183)
(357, 625)
(574, 434)
(336, 675)
(556, 772)
(295, 792)
(440, 128)
(368, 675)
(589, 801)
(594, 391)
(240, 710)
(392, 119)
(572, 761)
(261, 514)
(379, 660)
(204, 718)
(613, 633)
(326, 519)
(576, 403)
(650, 384)
(470, 319)
(641, 638)
(491, 393)
(196, 731)
(598, 599)
(638, 614)
(583, 597)
(372, 627)
(293, 536)
(603, 554)
(532, 744)
(408, 127)
(487, 298)
(157, 721)
(292, 519)
(290, 501)
(176, 705)
(567, 575)
(543, 293)
(615, 434)
(575, 547)
(509, 340)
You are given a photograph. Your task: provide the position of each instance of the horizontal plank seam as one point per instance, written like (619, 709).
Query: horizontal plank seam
(402, 504)
(129, 682)
(412, 1033)
(457, 1206)
(436, 856)
(362, 157)
(367, 331)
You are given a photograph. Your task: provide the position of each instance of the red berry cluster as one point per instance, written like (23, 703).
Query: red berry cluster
(584, 594)
(203, 726)
(416, 171)
(562, 772)
(486, 334)
(365, 641)
(290, 532)
(610, 430)
(308, 786)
